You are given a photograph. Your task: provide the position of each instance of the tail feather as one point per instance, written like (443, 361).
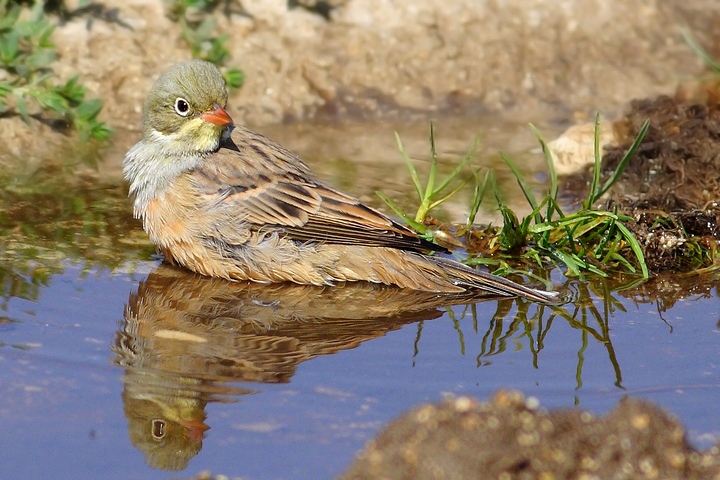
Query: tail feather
(460, 275)
(417, 271)
(469, 277)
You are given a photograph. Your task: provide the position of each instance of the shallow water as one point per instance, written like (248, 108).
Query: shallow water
(111, 363)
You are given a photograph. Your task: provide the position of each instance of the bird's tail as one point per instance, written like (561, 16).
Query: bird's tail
(473, 278)
(409, 269)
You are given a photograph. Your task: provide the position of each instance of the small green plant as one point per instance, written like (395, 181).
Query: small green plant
(588, 240)
(198, 28)
(433, 193)
(28, 84)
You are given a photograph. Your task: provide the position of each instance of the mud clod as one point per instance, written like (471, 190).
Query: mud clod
(507, 438)
(671, 187)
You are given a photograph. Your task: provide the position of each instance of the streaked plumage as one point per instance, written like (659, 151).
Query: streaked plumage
(228, 202)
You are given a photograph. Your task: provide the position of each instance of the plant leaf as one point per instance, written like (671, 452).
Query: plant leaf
(417, 226)
(411, 168)
(478, 194)
(22, 107)
(625, 160)
(523, 185)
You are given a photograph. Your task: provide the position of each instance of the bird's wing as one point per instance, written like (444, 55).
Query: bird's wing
(257, 182)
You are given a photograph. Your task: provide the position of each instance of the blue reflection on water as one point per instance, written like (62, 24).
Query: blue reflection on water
(62, 410)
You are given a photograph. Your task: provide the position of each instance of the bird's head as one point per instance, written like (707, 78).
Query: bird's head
(185, 109)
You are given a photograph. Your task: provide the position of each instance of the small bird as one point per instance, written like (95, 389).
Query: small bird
(224, 201)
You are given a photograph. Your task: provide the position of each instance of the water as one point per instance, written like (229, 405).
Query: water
(111, 362)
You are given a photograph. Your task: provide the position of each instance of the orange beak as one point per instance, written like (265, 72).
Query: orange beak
(195, 428)
(217, 116)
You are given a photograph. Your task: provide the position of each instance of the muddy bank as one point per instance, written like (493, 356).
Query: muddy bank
(377, 57)
(670, 187)
(360, 58)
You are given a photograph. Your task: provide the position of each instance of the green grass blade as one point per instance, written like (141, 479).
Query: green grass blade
(623, 261)
(553, 189)
(574, 266)
(699, 51)
(435, 203)
(429, 188)
(625, 160)
(456, 171)
(592, 193)
(636, 248)
(410, 166)
(523, 186)
(478, 194)
(417, 226)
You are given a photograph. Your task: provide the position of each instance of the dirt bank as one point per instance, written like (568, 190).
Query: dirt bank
(375, 58)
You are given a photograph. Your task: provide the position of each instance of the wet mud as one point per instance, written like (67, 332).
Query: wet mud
(510, 437)
(670, 188)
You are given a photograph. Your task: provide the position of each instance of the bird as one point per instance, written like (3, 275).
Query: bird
(224, 201)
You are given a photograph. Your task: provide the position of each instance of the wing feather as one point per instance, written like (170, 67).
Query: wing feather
(266, 185)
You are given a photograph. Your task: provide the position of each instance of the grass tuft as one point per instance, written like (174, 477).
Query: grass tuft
(589, 240)
(434, 192)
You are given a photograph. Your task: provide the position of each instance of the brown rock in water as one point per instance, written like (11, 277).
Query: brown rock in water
(510, 438)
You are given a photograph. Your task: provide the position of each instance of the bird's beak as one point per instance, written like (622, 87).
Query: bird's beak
(195, 428)
(217, 116)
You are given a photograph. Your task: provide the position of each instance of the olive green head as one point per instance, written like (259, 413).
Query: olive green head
(185, 108)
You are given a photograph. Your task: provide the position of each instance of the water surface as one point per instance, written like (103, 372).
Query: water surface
(114, 366)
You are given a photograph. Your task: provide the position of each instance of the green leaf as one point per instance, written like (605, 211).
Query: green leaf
(234, 77)
(22, 107)
(41, 59)
(625, 160)
(217, 52)
(9, 45)
(73, 90)
(44, 37)
(411, 168)
(478, 195)
(636, 248)
(9, 18)
(89, 109)
(37, 13)
(418, 227)
(51, 100)
(101, 131)
(527, 191)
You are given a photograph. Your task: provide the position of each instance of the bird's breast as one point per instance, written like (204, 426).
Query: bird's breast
(171, 217)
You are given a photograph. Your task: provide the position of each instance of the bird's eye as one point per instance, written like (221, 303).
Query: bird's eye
(182, 107)
(158, 429)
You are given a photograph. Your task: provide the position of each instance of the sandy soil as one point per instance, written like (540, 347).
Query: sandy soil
(373, 58)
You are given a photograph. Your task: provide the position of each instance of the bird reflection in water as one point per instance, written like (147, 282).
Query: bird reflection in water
(187, 339)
